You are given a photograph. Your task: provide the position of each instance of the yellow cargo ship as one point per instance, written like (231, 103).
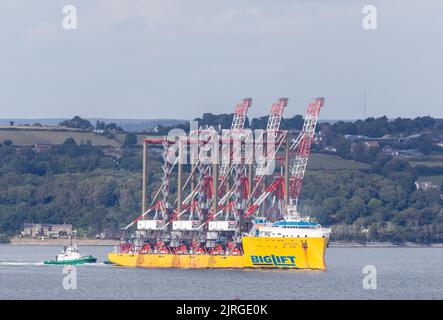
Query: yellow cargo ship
(293, 244)
(210, 242)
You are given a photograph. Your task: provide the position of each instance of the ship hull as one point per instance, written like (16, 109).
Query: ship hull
(82, 260)
(259, 252)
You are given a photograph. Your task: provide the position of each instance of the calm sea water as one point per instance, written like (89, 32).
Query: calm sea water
(402, 273)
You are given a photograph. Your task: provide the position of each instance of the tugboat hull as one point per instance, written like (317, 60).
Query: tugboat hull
(82, 260)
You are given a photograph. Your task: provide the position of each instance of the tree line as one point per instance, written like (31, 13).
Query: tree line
(96, 191)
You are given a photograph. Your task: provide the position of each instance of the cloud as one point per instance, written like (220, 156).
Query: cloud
(205, 55)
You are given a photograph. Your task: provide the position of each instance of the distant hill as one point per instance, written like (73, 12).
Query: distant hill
(29, 137)
(131, 125)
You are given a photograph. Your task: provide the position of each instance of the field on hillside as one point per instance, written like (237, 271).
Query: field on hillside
(120, 137)
(319, 161)
(437, 180)
(28, 137)
(437, 163)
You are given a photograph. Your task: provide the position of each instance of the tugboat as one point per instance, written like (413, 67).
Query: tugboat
(70, 256)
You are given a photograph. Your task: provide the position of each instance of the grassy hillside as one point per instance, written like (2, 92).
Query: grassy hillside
(97, 192)
(437, 179)
(131, 125)
(30, 136)
(430, 170)
(120, 137)
(434, 163)
(319, 161)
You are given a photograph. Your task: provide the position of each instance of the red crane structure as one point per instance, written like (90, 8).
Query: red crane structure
(235, 199)
(222, 197)
(200, 178)
(274, 120)
(237, 130)
(301, 146)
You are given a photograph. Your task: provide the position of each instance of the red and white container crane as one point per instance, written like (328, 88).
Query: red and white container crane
(302, 148)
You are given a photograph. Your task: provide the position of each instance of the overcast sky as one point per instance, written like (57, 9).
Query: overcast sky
(178, 59)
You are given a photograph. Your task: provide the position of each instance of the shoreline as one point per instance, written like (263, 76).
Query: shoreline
(350, 244)
(109, 242)
(61, 242)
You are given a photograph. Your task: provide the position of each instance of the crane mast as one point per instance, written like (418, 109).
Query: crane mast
(274, 120)
(237, 126)
(273, 125)
(198, 204)
(302, 147)
(223, 196)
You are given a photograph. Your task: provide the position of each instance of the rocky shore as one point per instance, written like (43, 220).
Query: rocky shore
(347, 244)
(61, 242)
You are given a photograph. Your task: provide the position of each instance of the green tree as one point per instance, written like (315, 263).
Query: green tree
(343, 146)
(424, 143)
(77, 122)
(374, 204)
(405, 179)
(100, 125)
(113, 126)
(130, 140)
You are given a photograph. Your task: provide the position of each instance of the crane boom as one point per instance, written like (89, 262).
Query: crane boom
(302, 147)
(273, 125)
(269, 190)
(237, 126)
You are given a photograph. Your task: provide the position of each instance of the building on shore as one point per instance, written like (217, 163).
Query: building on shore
(41, 146)
(38, 230)
(425, 185)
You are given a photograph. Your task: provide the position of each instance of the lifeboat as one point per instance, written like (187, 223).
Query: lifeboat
(181, 250)
(163, 250)
(217, 250)
(146, 248)
(199, 250)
